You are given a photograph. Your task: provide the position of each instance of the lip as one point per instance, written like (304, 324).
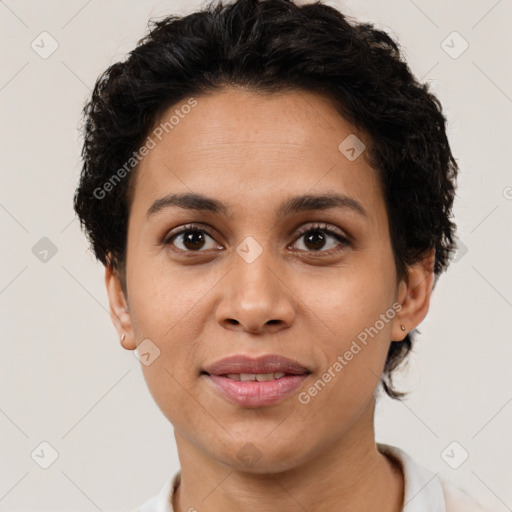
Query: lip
(254, 393)
(270, 363)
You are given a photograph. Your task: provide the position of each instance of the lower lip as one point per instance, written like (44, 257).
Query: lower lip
(254, 393)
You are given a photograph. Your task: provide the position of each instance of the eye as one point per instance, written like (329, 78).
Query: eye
(317, 236)
(192, 239)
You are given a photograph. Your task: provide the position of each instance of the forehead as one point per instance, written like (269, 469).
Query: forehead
(245, 146)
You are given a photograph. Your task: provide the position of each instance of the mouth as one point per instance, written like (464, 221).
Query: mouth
(263, 366)
(248, 377)
(259, 382)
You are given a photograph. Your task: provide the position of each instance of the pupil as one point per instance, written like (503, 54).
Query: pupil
(316, 238)
(192, 238)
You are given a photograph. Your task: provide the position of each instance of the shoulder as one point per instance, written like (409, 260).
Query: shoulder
(424, 491)
(458, 501)
(162, 502)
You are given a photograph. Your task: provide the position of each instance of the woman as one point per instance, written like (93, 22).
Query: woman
(270, 191)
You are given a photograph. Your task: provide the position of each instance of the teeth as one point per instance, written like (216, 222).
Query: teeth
(260, 377)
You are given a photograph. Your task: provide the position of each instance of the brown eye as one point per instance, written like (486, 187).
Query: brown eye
(315, 239)
(191, 239)
(322, 239)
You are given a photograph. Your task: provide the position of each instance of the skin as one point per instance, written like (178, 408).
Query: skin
(252, 151)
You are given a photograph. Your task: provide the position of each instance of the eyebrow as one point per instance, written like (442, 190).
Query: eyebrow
(295, 204)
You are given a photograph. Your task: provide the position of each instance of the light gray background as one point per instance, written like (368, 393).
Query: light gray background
(65, 378)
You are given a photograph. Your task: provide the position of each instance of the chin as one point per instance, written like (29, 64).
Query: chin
(257, 455)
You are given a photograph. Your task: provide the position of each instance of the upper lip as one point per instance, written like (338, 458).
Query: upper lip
(270, 363)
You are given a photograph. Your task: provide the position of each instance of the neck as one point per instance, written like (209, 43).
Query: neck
(349, 474)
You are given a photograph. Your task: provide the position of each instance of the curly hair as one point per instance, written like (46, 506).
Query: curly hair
(271, 46)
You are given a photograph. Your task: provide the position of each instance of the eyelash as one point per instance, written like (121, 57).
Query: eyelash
(344, 241)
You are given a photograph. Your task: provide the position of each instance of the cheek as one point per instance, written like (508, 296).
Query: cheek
(169, 306)
(354, 335)
(358, 350)
(351, 302)
(353, 362)
(163, 298)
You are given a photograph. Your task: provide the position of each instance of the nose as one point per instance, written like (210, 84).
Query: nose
(255, 297)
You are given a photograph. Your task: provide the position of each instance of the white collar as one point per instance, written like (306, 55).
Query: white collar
(422, 488)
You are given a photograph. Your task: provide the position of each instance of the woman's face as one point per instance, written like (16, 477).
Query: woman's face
(260, 279)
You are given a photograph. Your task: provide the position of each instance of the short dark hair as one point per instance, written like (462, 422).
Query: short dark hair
(271, 46)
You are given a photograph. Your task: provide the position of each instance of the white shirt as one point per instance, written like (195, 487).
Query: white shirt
(424, 491)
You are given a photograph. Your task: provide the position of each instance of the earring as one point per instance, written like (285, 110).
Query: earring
(122, 338)
(402, 326)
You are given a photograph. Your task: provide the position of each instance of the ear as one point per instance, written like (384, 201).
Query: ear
(414, 294)
(119, 310)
